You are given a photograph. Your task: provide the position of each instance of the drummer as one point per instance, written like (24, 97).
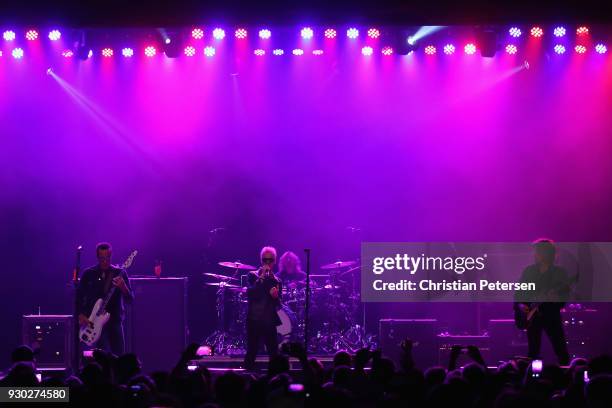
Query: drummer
(290, 271)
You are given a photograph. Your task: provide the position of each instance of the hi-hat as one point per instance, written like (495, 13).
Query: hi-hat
(220, 277)
(223, 285)
(338, 265)
(237, 265)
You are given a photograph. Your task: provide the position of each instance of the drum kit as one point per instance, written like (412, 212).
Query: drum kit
(336, 318)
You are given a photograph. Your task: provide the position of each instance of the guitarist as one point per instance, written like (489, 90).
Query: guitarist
(95, 284)
(263, 295)
(552, 288)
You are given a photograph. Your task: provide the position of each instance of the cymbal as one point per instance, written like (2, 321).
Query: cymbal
(220, 277)
(222, 284)
(350, 270)
(319, 276)
(338, 265)
(237, 265)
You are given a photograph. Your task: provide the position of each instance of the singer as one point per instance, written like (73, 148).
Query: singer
(263, 294)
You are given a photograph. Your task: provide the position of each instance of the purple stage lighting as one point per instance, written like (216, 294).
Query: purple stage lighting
(298, 51)
(373, 33)
(387, 51)
(209, 51)
(559, 31)
(470, 48)
(67, 54)
(582, 30)
(218, 34)
(352, 33)
(259, 52)
(330, 33)
(367, 51)
(430, 50)
(511, 49)
(580, 49)
(150, 51)
(537, 32)
(317, 52)
(127, 52)
(240, 33)
(31, 35)
(601, 48)
(197, 33)
(8, 35)
(265, 34)
(515, 32)
(449, 49)
(559, 49)
(107, 52)
(189, 51)
(307, 33)
(55, 35)
(17, 53)
(278, 52)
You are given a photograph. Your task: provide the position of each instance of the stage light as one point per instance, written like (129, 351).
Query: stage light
(8, 35)
(387, 51)
(469, 49)
(55, 35)
(197, 33)
(278, 52)
(209, 51)
(515, 32)
(449, 49)
(537, 32)
(31, 35)
(559, 49)
(259, 52)
(511, 49)
(107, 52)
(241, 33)
(430, 50)
(298, 51)
(189, 51)
(582, 30)
(373, 33)
(367, 51)
(150, 51)
(127, 52)
(218, 34)
(601, 48)
(317, 52)
(330, 33)
(307, 33)
(559, 31)
(67, 54)
(17, 53)
(487, 42)
(580, 49)
(352, 33)
(265, 34)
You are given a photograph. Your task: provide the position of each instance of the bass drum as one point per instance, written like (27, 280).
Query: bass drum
(288, 323)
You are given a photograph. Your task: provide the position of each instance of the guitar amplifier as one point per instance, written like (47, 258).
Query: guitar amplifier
(50, 337)
(422, 332)
(156, 321)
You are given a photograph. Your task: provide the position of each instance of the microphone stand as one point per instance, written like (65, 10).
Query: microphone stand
(307, 306)
(75, 330)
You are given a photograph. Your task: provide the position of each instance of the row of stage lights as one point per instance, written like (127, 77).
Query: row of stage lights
(308, 33)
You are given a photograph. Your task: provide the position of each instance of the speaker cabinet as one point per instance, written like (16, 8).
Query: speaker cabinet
(156, 321)
(50, 337)
(422, 332)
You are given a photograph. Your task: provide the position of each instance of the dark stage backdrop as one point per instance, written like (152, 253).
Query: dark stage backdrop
(153, 154)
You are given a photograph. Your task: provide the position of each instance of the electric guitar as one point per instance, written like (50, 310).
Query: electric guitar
(90, 333)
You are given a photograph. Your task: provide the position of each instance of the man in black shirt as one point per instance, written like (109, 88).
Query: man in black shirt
(94, 284)
(552, 290)
(263, 294)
